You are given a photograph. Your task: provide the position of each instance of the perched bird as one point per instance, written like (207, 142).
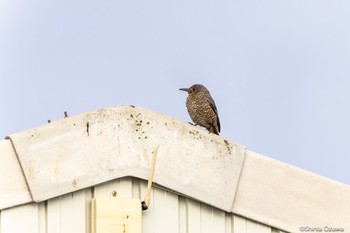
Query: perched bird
(201, 107)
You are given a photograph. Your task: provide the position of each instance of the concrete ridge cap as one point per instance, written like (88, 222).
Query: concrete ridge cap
(94, 147)
(123, 138)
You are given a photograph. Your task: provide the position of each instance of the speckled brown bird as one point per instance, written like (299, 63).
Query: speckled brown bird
(202, 109)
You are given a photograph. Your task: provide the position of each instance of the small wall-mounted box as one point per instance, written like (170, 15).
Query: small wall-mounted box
(115, 215)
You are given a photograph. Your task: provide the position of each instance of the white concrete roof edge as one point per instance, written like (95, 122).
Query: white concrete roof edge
(91, 148)
(48, 153)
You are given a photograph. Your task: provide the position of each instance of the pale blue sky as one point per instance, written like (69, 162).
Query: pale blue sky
(279, 71)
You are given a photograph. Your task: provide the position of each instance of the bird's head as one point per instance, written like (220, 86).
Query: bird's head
(194, 89)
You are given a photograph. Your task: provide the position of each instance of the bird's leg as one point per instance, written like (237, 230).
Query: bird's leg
(192, 123)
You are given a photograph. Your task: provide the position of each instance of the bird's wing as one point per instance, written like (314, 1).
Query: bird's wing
(213, 107)
(217, 116)
(212, 102)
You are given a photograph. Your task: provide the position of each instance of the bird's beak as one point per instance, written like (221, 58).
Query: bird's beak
(184, 89)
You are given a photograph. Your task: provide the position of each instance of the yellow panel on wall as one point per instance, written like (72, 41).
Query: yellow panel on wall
(114, 215)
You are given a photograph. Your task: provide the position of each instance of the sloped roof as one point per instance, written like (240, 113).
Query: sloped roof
(92, 148)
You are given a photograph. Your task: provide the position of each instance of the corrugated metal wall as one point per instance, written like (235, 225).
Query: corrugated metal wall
(168, 212)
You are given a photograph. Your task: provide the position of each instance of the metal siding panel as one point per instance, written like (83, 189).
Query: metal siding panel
(136, 189)
(27, 218)
(239, 224)
(101, 190)
(66, 213)
(212, 219)
(7, 220)
(253, 227)
(42, 208)
(70, 213)
(182, 214)
(218, 220)
(158, 204)
(88, 198)
(112, 186)
(105, 189)
(79, 212)
(20, 219)
(124, 187)
(206, 218)
(53, 215)
(172, 211)
(165, 212)
(148, 220)
(228, 223)
(193, 216)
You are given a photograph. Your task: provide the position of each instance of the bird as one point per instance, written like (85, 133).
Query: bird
(201, 108)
